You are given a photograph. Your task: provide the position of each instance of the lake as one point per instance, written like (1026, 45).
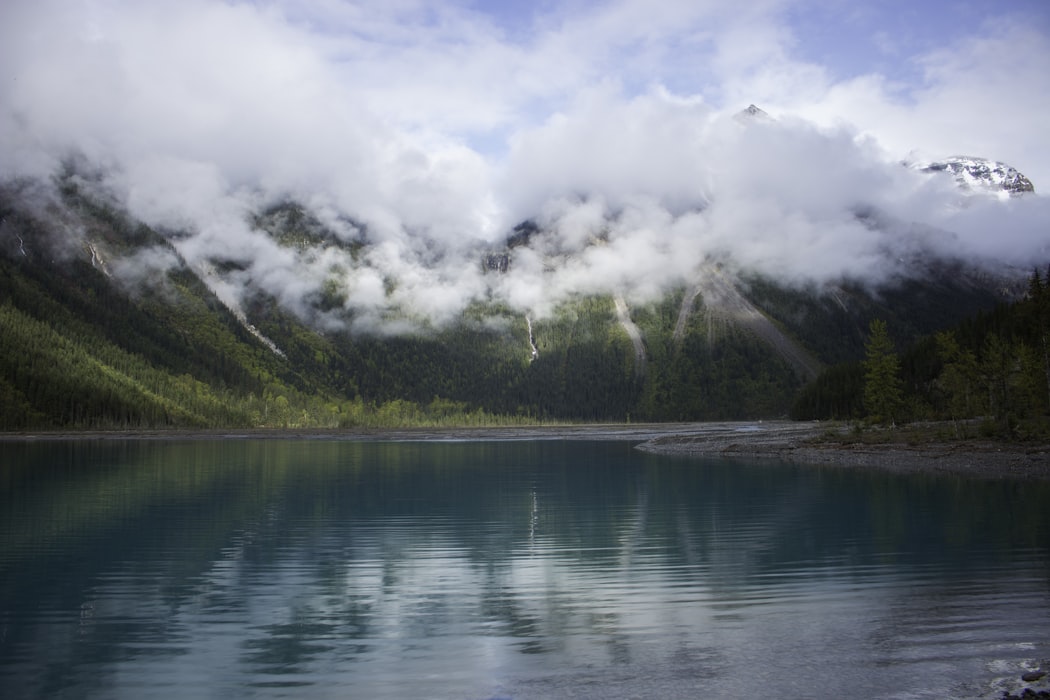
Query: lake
(506, 569)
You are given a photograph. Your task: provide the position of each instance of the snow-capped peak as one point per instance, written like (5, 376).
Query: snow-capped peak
(981, 175)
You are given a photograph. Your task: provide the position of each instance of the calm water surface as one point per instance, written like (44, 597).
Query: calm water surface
(478, 570)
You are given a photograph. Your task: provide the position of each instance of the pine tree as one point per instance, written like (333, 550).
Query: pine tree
(882, 383)
(959, 378)
(1039, 301)
(999, 367)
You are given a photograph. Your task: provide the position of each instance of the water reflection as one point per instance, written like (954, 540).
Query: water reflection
(517, 569)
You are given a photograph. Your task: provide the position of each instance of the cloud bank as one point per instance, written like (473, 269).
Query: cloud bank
(430, 132)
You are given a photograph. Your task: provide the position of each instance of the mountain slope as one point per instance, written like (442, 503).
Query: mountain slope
(724, 299)
(105, 324)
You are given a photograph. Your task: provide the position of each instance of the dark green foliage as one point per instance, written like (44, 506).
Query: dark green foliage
(717, 370)
(994, 367)
(883, 395)
(959, 379)
(85, 349)
(833, 321)
(89, 383)
(836, 394)
(585, 366)
(1035, 317)
(731, 377)
(81, 350)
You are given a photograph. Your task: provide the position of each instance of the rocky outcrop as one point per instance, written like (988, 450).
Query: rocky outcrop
(723, 300)
(981, 174)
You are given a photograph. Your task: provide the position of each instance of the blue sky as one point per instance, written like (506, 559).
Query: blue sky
(891, 36)
(849, 38)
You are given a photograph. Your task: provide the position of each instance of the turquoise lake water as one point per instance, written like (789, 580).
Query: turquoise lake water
(511, 570)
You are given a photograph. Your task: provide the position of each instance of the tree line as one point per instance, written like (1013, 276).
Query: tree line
(81, 350)
(989, 375)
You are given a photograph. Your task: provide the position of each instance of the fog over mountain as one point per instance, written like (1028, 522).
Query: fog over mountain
(427, 135)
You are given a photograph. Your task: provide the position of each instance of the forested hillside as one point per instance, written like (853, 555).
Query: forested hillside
(993, 367)
(91, 336)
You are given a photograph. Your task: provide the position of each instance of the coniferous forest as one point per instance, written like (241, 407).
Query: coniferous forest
(83, 346)
(989, 375)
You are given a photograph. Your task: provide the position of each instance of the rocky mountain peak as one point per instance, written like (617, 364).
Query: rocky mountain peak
(752, 113)
(981, 174)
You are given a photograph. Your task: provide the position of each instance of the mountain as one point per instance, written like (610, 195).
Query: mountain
(981, 175)
(752, 113)
(288, 312)
(90, 338)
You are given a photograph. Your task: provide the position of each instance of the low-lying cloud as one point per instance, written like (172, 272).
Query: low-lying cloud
(427, 134)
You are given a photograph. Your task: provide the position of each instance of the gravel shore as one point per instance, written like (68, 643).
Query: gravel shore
(817, 443)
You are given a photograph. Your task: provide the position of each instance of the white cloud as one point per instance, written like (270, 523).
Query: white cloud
(616, 146)
(437, 128)
(985, 95)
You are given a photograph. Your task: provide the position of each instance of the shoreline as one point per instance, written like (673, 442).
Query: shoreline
(812, 443)
(585, 431)
(825, 444)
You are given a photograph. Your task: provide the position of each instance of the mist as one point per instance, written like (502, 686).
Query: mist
(425, 140)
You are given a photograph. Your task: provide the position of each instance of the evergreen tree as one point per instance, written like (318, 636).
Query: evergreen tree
(959, 378)
(999, 367)
(882, 383)
(1039, 318)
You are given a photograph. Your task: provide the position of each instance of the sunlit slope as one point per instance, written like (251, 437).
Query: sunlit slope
(105, 325)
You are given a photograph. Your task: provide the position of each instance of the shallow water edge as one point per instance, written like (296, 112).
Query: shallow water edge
(787, 441)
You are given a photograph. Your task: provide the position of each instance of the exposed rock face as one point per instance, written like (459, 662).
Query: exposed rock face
(496, 262)
(981, 174)
(752, 114)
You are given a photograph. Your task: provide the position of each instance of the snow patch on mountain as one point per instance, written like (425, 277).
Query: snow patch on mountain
(981, 175)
